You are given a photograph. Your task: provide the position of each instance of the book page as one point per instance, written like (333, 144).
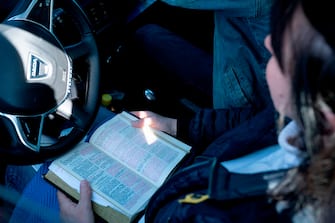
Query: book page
(74, 182)
(153, 155)
(108, 177)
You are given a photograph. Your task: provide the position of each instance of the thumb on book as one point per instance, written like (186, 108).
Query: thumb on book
(85, 194)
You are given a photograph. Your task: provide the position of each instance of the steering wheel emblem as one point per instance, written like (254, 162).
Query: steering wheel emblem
(38, 68)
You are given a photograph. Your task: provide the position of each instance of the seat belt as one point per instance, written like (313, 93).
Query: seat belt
(225, 185)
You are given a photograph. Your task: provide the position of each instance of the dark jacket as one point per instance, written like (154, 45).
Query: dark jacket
(229, 133)
(233, 133)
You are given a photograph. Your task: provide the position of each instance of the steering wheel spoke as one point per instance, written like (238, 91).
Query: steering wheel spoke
(39, 11)
(29, 130)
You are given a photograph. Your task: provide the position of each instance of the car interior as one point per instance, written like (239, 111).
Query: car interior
(119, 57)
(59, 57)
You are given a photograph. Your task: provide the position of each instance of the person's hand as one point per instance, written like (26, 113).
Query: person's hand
(82, 211)
(156, 121)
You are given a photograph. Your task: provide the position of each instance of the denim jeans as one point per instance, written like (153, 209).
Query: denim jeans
(17, 177)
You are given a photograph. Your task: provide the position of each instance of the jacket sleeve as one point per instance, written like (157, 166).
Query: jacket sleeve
(216, 132)
(197, 4)
(256, 133)
(231, 6)
(208, 124)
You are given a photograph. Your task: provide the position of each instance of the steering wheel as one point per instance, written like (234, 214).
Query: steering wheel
(48, 87)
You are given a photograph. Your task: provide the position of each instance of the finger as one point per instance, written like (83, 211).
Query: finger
(138, 123)
(141, 114)
(136, 113)
(85, 194)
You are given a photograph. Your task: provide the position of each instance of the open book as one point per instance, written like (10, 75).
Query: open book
(124, 165)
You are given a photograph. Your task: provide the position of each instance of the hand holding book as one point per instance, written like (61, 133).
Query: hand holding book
(124, 165)
(81, 212)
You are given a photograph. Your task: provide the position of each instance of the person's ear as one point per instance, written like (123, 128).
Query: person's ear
(330, 119)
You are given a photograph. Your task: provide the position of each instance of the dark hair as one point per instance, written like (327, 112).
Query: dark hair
(321, 15)
(281, 16)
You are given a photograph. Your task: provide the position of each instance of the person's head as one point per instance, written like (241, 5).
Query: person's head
(301, 78)
(301, 71)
